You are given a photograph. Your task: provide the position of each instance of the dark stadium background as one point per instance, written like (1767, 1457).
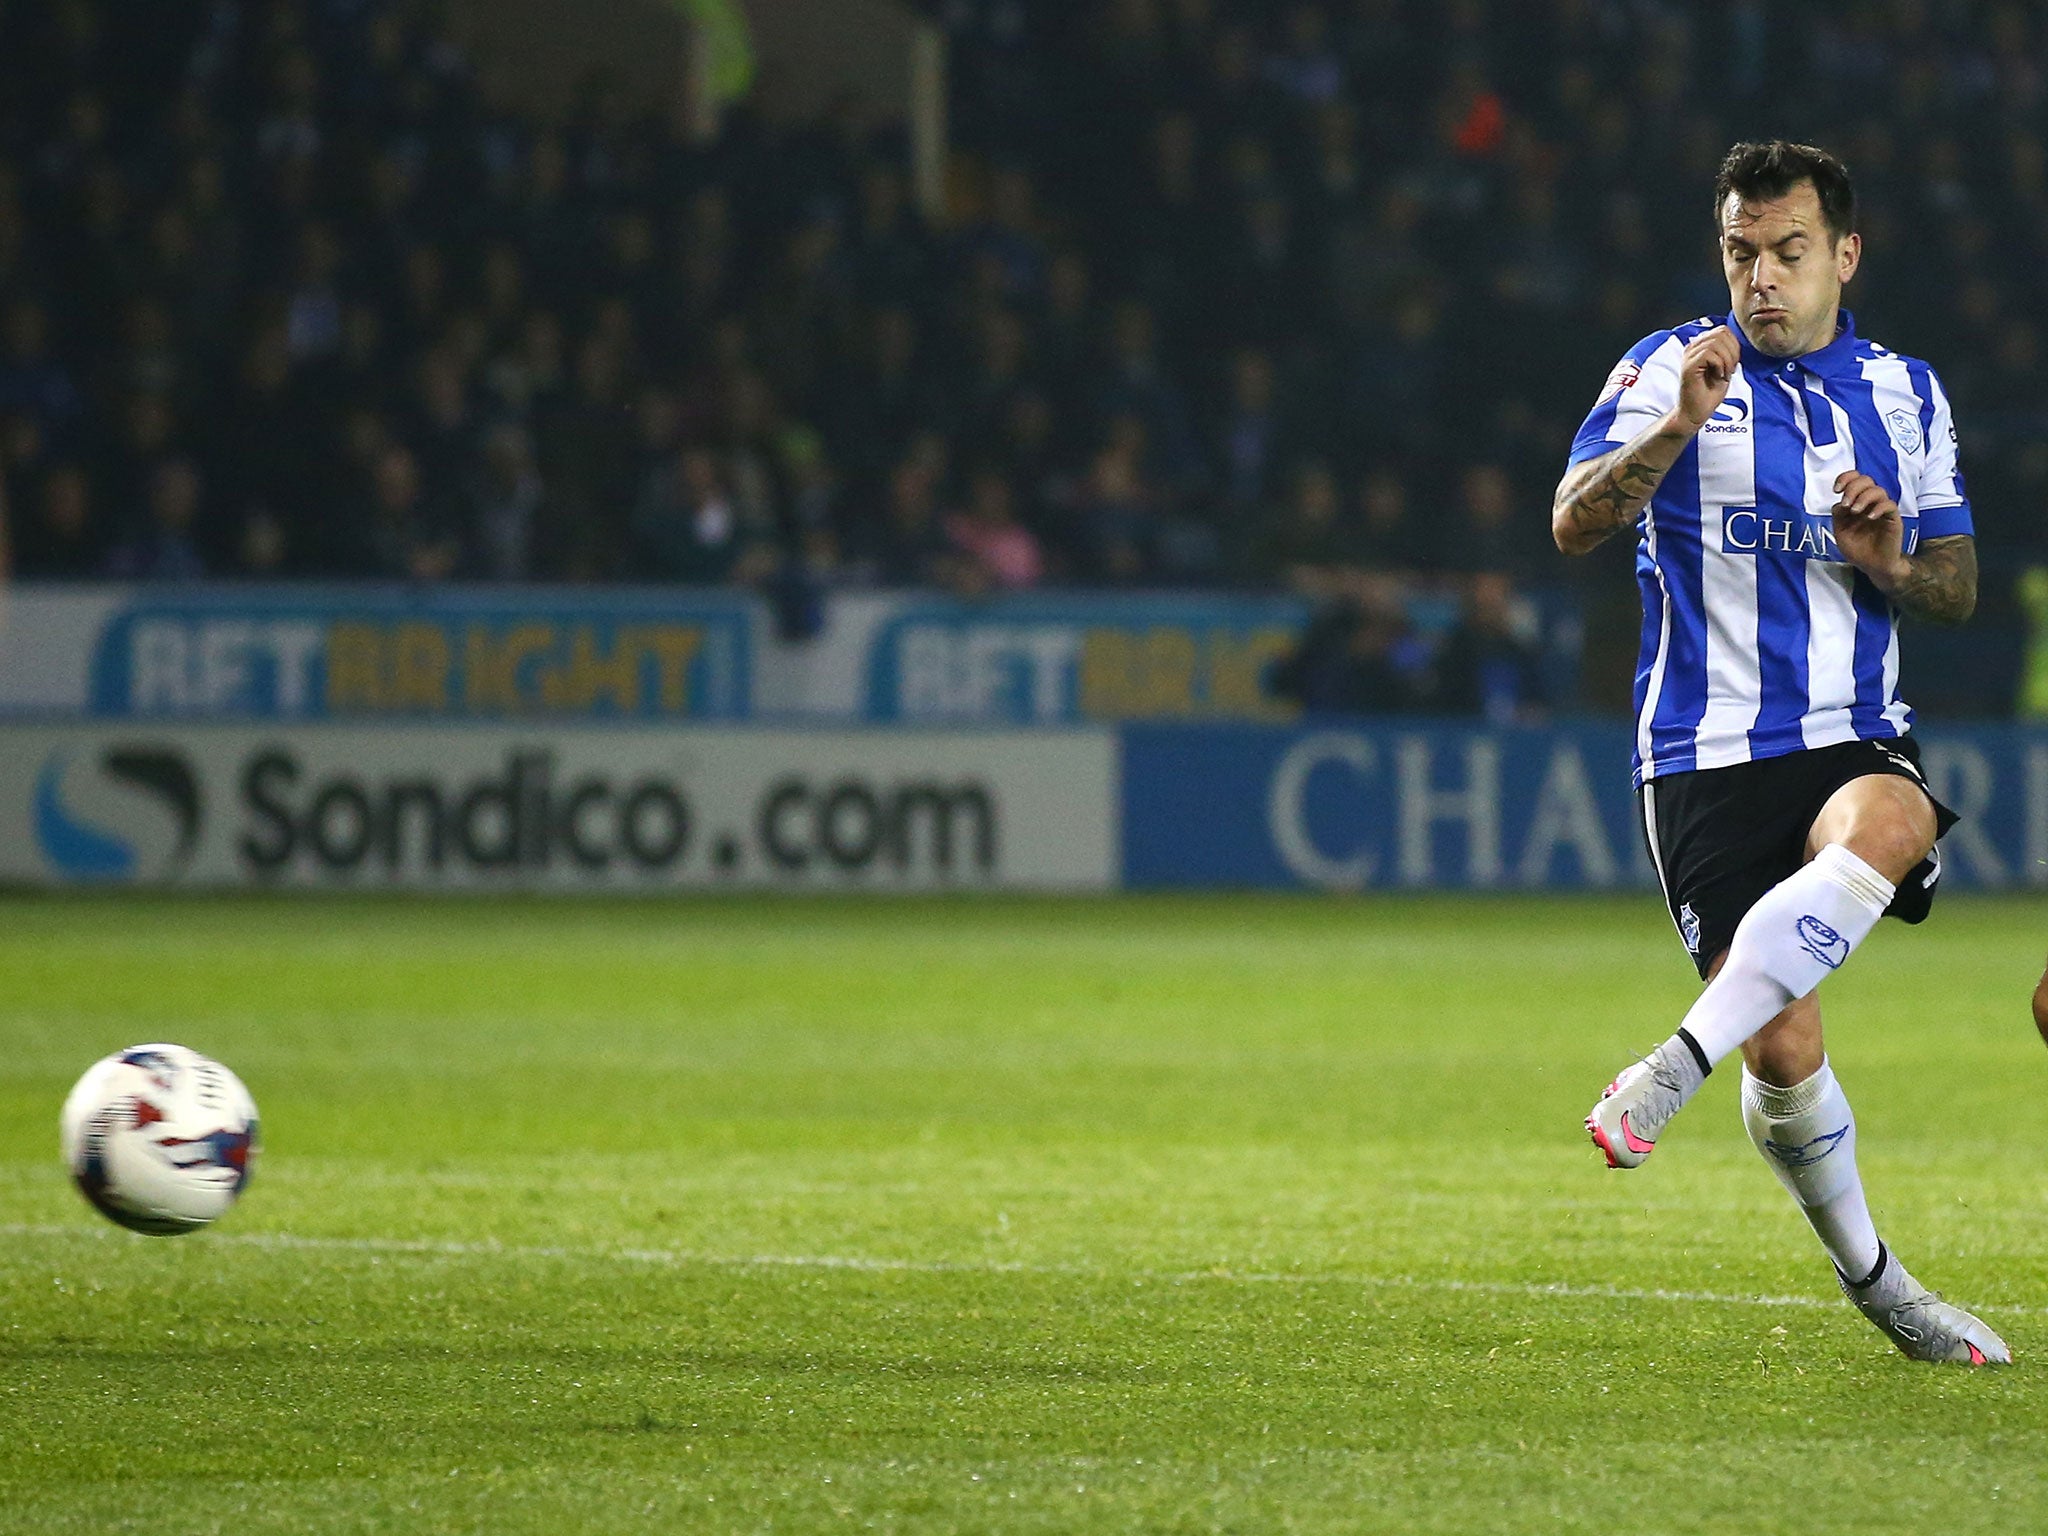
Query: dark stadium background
(1277, 296)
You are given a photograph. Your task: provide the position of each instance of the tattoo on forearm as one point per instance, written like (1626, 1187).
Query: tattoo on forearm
(1940, 585)
(1610, 493)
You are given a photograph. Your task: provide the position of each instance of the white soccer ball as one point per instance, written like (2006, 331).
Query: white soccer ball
(159, 1138)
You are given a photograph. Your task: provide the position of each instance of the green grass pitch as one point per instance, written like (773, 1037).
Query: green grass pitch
(1226, 1214)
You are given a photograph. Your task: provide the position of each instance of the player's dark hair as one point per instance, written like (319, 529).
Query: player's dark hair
(1764, 172)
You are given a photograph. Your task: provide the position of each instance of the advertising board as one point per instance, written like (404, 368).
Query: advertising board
(1428, 805)
(488, 808)
(291, 652)
(1098, 659)
(318, 653)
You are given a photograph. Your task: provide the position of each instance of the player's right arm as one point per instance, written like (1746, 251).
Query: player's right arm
(1600, 496)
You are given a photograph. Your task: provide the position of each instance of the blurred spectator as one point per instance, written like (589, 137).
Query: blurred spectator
(57, 534)
(154, 363)
(1136, 383)
(149, 433)
(33, 384)
(1397, 374)
(882, 396)
(1373, 265)
(440, 428)
(1248, 437)
(906, 548)
(1491, 662)
(1033, 458)
(1310, 545)
(1115, 511)
(263, 447)
(507, 508)
(24, 459)
(997, 378)
(408, 537)
(1306, 67)
(687, 528)
(1069, 325)
(1389, 538)
(313, 312)
(1359, 655)
(890, 257)
(996, 551)
(166, 546)
(1488, 535)
(1010, 234)
(584, 438)
(1261, 288)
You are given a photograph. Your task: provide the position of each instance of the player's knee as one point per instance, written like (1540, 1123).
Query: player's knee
(2041, 1006)
(1789, 1049)
(1886, 822)
(1890, 841)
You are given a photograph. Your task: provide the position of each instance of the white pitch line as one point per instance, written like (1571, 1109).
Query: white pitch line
(685, 1259)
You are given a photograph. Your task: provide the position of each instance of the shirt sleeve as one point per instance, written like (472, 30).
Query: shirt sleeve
(1642, 388)
(1943, 503)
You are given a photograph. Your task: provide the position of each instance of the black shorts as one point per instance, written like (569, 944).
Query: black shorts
(1721, 837)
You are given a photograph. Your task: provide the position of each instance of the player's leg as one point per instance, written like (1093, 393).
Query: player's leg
(1800, 1120)
(1871, 831)
(2041, 1005)
(1793, 1107)
(1868, 835)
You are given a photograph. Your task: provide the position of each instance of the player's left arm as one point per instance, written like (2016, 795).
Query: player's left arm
(1939, 583)
(1936, 583)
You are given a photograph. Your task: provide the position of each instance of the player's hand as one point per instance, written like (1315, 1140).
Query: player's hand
(1704, 374)
(1868, 529)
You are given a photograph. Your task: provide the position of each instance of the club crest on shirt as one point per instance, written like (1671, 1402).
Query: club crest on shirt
(1625, 374)
(1904, 427)
(1689, 927)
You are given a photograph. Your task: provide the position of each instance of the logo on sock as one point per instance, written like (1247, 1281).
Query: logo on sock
(1809, 1153)
(1689, 927)
(1822, 942)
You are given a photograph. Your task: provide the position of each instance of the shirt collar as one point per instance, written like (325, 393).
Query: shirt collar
(1835, 360)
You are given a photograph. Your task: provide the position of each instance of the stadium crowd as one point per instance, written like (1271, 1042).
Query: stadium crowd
(1301, 295)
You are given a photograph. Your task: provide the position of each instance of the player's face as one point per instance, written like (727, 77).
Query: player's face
(1785, 271)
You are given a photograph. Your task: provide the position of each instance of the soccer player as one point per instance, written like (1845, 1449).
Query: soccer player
(1797, 491)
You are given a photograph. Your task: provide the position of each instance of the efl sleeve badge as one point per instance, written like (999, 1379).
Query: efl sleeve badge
(1625, 374)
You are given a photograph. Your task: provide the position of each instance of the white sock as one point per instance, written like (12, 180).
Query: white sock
(1804, 927)
(1808, 1136)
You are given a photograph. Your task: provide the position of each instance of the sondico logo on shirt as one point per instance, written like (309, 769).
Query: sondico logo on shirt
(1732, 415)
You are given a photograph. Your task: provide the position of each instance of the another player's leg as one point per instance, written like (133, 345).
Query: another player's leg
(2041, 1006)
(1872, 831)
(1800, 1120)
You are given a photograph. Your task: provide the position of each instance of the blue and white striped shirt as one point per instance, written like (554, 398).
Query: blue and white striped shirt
(1758, 639)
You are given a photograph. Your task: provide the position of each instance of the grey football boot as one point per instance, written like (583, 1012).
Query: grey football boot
(1638, 1104)
(1922, 1325)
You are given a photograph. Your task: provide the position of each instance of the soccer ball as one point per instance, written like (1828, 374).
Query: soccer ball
(159, 1138)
